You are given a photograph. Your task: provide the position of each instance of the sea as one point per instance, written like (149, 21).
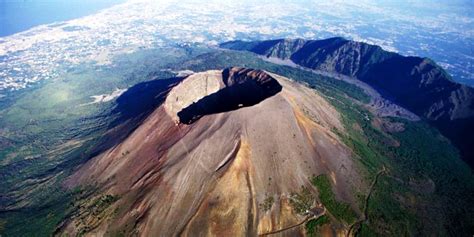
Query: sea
(20, 15)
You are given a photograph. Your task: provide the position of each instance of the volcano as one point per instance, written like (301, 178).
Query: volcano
(223, 155)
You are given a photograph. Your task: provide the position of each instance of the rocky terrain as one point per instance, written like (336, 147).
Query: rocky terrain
(248, 137)
(418, 84)
(378, 105)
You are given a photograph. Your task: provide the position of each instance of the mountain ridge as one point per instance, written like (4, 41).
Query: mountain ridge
(418, 84)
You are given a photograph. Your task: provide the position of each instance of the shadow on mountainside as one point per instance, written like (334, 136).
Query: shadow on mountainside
(134, 106)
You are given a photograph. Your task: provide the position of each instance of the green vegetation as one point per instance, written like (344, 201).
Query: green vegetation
(267, 203)
(91, 213)
(423, 156)
(366, 231)
(302, 201)
(47, 130)
(102, 203)
(313, 225)
(2, 225)
(427, 157)
(341, 211)
(42, 220)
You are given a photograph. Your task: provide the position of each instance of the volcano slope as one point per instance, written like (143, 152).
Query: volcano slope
(227, 154)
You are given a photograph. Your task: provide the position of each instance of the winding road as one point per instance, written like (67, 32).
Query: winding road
(295, 225)
(366, 204)
(352, 226)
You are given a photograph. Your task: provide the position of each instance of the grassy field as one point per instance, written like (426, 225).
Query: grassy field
(342, 211)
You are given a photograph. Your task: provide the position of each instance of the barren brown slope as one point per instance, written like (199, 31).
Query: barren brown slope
(203, 162)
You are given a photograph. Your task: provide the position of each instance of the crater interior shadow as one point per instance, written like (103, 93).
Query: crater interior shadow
(247, 93)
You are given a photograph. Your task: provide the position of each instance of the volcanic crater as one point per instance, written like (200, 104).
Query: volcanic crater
(221, 143)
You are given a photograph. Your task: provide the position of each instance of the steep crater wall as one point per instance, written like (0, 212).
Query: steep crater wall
(243, 88)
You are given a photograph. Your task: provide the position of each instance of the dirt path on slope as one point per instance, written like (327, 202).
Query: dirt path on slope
(366, 203)
(295, 225)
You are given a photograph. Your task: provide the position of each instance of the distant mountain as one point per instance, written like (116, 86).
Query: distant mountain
(418, 84)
